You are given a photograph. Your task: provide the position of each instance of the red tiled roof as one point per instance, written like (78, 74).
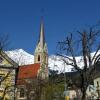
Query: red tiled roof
(28, 71)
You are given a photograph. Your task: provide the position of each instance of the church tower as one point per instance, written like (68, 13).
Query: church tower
(41, 54)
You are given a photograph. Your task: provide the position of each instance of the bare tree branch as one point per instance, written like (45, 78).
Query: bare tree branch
(87, 42)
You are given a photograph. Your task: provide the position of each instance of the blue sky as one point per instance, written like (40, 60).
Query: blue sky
(21, 20)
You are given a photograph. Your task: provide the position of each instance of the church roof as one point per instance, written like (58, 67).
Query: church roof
(28, 71)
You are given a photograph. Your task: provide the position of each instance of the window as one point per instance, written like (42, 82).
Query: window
(1, 59)
(22, 92)
(0, 80)
(1, 77)
(97, 84)
(38, 57)
(89, 89)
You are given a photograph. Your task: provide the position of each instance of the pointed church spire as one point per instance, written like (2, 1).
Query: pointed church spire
(41, 53)
(41, 38)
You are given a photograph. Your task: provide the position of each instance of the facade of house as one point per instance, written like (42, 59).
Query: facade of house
(31, 77)
(93, 91)
(8, 70)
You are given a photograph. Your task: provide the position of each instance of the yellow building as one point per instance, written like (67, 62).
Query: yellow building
(97, 86)
(8, 69)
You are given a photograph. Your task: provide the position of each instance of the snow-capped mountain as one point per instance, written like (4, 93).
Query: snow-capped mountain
(21, 57)
(55, 63)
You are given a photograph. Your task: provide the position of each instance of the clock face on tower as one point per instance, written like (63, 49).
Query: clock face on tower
(1, 59)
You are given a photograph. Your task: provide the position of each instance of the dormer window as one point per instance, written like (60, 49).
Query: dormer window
(39, 58)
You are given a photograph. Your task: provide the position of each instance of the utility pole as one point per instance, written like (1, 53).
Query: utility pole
(66, 93)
